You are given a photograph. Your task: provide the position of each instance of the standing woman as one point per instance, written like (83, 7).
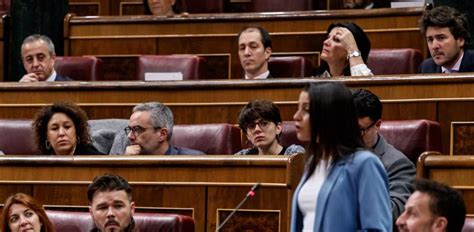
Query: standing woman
(22, 213)
(62, 129)
(345, 52)
(164, 7)
(345, 187)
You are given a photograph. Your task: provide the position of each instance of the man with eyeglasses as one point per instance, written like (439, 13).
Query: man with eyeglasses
(400, 170)
(149, 131)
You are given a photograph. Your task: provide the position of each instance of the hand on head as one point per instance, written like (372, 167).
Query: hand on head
(30, 77)
(346, 39)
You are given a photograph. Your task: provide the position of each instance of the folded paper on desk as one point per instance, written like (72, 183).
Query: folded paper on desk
(163, 76)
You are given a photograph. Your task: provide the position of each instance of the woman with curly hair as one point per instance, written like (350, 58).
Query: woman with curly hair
(21, 212)
(62, 129)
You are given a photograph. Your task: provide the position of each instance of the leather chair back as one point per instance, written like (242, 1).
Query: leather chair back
(79, 68)
(17, 137)
(394, 61)
(289, 66)
(219, 139)
(192, 67)
(412, 137)
(67, 221)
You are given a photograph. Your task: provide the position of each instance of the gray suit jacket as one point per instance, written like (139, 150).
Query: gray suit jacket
(401, 174)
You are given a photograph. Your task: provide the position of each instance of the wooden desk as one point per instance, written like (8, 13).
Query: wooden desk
(200, 186)
(119, 40)
(455, 171)
(439, 98)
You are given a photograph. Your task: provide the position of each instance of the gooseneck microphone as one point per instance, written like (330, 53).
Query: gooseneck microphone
(251, 193)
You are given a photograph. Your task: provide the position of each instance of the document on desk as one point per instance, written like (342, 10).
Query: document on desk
(163, 76)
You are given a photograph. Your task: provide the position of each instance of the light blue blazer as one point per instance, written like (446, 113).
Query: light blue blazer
(354, 197)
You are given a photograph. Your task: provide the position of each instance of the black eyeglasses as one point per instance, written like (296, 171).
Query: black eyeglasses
(137, 130)
(363, 131)
(263, 124)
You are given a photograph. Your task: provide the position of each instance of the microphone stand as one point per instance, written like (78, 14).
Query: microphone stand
(251, 193)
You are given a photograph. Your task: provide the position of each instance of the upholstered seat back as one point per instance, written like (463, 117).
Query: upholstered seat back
(394, 61)
(289, 66)
(17, 137)
(67, 221)
(412, 137)
(79, 68)
(192, 67)
(220, 138)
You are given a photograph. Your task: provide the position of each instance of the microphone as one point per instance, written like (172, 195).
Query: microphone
(250, 193)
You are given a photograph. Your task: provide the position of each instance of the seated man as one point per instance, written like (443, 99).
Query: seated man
(433, 207)
(111, 205)
(150, 129)
(400, 170)
(37, 55)
(447, 34)
(255, 49)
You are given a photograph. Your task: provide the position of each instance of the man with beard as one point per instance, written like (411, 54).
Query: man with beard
(433, 207)
(111, 204)
(38, 57)
(447, 35)
(150, 129)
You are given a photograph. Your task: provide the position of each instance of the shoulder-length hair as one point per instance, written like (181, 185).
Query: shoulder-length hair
(335, 132)
(361, 39)
(29, 202)
(73, 111)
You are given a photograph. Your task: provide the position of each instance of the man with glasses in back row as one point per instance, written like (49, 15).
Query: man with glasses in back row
(400, 170)
(150, 129)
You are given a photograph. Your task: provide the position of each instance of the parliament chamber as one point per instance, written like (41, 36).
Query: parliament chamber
(207, 188)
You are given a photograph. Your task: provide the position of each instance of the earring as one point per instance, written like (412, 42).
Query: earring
(78, 140)
(48, 146)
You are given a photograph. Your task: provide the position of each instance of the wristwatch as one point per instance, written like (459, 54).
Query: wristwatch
(353, 54)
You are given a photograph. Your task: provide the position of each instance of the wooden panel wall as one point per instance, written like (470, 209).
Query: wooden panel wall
(119, 40)
(180, 184)
(438, 98)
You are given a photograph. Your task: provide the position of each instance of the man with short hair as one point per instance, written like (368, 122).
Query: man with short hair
(447, 35)
(38, 57)
(111, 205)
(400, 170)
(150, 129)
(433, 207)
(255, 49)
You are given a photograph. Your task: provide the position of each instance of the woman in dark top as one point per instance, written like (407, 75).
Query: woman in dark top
(62, 129)
(260, 121)
(345, 52)
(164, 7)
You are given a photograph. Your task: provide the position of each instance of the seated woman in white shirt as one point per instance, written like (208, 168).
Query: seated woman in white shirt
(261, 122)
(344, 52)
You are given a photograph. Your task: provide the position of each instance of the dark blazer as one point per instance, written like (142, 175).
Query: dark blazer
(62, 78)
(467, 64)
(87, 149)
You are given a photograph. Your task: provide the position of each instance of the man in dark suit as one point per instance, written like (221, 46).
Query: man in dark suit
(447, 34)
(255, 49)
(400, 170)
(38, 56)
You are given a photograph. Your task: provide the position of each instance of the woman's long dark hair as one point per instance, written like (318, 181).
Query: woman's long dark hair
(362, 41)
(335, 131)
